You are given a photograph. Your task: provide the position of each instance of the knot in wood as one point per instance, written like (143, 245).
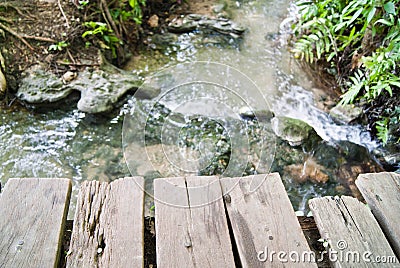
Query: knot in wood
(227, 198)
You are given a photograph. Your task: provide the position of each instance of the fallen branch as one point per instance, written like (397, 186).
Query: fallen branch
(109, 19)
(11, 31)
(76, 64)
(39, 38)
(62, 12)
(70, 57)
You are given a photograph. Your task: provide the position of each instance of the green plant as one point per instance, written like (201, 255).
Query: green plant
(101, 29)
(326, 28)
(59, 46)
(82, 4)
(331, 30)
(131, 9)
(382, 130)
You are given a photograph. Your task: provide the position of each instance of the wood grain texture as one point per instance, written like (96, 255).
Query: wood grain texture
(32, 218)
(108, 225)
(191, 226)
(263, 220)
(382, 193)
(349, 227)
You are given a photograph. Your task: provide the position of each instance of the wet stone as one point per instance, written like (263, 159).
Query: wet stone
(346, 113)
(294, 131)
(218, 8)
(194, 22)
(100, 89)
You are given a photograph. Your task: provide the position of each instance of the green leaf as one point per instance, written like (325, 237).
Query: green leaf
(313, 37)
(351, 94)
(371, 14)
(53, 47)
(382, 130)
(395, 83)
(390, 8)
(133, 3)
(340, 26)
(355, 16)
(385, 22)
(330, 57)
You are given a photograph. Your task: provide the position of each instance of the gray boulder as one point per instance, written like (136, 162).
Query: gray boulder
(100, 88)
(346, 113)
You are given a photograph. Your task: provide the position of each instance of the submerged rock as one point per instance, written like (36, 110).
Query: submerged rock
(309, 170)
(247, 113)
(100, 89)
(294, 131)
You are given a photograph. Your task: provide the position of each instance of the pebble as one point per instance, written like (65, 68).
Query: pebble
(69, 76)
(153, 21)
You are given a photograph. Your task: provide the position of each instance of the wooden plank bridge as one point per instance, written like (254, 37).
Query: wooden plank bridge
(199, 222)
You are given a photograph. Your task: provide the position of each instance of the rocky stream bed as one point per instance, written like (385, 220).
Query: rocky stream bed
(69, 122)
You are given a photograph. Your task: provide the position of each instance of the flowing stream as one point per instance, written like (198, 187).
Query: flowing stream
(64, 142)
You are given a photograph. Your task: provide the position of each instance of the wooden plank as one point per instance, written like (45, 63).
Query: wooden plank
(208, 227)
(171, 220)
(352, 232)
(191, 227)
(263, 222)
(108, 225)
(32, 217)
(382, 193)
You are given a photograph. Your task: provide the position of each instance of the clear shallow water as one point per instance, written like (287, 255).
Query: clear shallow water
(69, 143)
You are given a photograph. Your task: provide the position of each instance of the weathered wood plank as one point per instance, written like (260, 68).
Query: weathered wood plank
(382, 193)
(352, 232)
(208, 227)
(108, 225)
(173, 244)
(263, 222)
(191, 226)
(32, 218)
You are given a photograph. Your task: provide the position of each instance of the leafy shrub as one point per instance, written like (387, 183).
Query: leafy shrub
(332, 29)
(131, 9)
(101, 29)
